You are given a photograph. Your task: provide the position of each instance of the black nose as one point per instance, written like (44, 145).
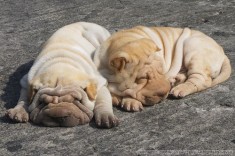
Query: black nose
(67, 121)
(150, 102)
(60, 120)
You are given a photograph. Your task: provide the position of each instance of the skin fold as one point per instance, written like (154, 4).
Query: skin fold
(63, 87)
(145, 64)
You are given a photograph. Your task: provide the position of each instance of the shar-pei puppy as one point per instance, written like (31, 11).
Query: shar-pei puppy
(144, 64)
(63, 87)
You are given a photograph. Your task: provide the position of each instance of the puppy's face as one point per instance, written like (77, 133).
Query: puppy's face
(137, 72)
(66, 103)
(153, 87)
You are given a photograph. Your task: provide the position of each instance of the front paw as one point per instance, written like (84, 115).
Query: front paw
(131, 105)
(106, 120)
(18, 114)
(116, 100)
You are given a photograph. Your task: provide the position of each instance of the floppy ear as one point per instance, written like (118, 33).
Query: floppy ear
(34, 85)
(119, 61)
(91, 91)
(32, 92)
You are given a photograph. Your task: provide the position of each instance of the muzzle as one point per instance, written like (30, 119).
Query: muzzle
(61, 106)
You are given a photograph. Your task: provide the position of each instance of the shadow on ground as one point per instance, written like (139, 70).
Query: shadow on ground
(12, 89)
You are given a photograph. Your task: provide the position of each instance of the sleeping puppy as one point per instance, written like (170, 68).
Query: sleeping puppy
(63, 87)
(142, 64)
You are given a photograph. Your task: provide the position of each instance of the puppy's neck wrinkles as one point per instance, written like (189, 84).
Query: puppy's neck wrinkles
(171, 54)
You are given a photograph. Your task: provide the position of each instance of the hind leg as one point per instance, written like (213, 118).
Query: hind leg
(198, 78)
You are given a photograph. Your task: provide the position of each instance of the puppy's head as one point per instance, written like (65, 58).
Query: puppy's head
(65, 104)
(138, 71)
(65, 114)
(155, 88)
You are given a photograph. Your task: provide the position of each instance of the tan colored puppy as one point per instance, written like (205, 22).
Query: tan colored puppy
(141, 63)
(63, 87)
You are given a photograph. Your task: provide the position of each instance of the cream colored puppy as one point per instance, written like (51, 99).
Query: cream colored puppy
(141, 63)
(63, 87)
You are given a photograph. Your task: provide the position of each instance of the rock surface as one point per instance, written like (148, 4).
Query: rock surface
(202, 121)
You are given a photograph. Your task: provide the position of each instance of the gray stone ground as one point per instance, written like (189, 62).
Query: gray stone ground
(202, 121)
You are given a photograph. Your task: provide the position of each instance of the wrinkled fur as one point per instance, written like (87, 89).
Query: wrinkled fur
(63, 87)
(143, 62)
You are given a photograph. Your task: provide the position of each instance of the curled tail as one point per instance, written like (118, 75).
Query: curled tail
(224, 72)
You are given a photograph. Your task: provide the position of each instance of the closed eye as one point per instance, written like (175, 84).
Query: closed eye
(141, 80)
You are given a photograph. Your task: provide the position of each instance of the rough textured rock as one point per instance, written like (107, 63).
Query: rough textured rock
(202, 121)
